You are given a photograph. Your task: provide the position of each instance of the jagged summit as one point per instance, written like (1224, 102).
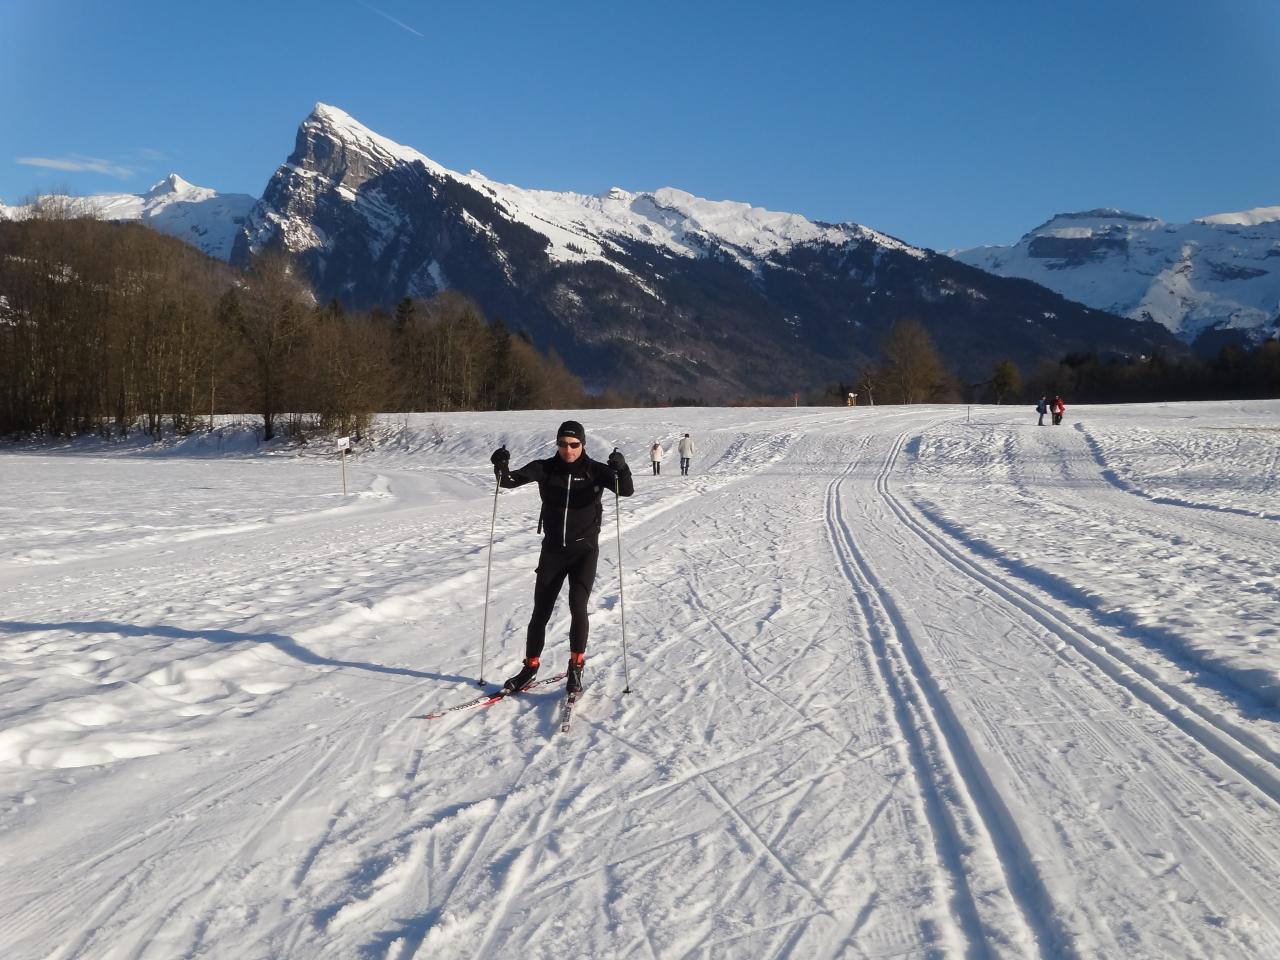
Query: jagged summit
(172, 184)
(336, 124)
(576, 227)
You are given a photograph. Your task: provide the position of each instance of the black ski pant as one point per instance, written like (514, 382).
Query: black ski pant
(684, 466)
(578, 566)
(657, 468)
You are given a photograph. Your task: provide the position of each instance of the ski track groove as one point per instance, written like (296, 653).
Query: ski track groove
(209, 886)
(60, 892)
(526, 861)
(476, 841)
(1112, 476)
(962, 807)
(1210, 731)
(754, 680)
(1236, 747)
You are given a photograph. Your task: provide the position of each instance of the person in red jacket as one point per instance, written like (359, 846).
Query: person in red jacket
(1059, 408)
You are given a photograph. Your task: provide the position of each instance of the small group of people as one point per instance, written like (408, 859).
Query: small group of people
(684, 446)
(570, 485)
(1055, 407)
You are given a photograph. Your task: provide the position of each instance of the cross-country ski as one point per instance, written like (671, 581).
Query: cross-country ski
(489, 699)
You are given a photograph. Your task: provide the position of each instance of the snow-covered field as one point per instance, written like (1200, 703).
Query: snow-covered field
(903, 684)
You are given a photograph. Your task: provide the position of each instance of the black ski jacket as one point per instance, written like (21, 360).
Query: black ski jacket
(570, 492)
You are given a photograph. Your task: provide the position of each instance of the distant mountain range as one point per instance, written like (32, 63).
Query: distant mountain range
(1214, 280)
(668, 296)
(204, 218)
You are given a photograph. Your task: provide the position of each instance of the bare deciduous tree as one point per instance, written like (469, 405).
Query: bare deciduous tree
(913, 370)
(273, 315)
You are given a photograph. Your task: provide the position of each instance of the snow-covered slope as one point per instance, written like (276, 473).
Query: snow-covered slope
(202, 217)
(1217, 273)
(664, 295)
(904, 682)
(577, 226)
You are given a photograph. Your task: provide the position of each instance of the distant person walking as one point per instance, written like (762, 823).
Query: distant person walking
(1059, 408)
(686, 448)
(656, 453)
(1042, 408)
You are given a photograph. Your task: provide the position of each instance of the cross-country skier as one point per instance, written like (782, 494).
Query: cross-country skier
(570, 484)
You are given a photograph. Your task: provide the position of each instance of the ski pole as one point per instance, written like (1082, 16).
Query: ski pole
(484, 629)
(622, 600)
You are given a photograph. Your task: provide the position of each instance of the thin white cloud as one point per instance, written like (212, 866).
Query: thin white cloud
(78, 164)
(398, 23)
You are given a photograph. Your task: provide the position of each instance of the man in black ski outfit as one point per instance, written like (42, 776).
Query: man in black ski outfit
(570, 484)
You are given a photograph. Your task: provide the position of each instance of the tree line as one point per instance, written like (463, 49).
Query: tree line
(911, 370)
(112, 327)
(109, 328)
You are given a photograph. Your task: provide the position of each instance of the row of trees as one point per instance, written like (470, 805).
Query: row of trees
(912, 371)
(108, 327)
(1235, 373)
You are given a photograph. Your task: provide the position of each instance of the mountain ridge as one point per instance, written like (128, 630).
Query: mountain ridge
(1213, 280)
(662, 294)
(201, 216)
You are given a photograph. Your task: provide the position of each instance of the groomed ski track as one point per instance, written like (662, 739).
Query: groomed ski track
(904, 684)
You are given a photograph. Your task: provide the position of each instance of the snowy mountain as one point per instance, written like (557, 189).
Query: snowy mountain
(1214, 279)
(664, 294)
(203, 217)
(576, 227)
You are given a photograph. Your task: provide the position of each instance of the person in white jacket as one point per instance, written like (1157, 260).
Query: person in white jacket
(656, 453)
(686, 448)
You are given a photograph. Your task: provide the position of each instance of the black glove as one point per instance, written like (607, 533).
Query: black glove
(617, 461)
(500, 460)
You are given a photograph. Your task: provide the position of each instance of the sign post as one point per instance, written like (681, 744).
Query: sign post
(344, 444)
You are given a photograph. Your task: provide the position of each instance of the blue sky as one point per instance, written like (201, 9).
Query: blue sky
(943, 123)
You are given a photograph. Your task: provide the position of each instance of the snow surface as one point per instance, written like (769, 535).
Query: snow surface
(1244, 218)
(904, 683)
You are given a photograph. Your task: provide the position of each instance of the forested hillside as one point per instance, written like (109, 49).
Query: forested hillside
(110, 327)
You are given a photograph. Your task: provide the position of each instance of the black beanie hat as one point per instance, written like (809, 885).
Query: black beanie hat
(572, 428)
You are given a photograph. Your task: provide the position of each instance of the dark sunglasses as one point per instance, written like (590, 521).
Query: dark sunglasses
(571, 444)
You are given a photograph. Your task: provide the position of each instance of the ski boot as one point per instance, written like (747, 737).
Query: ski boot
(522, 679)
(573, 675)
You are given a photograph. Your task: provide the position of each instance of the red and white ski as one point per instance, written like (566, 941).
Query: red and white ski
(489, 699)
